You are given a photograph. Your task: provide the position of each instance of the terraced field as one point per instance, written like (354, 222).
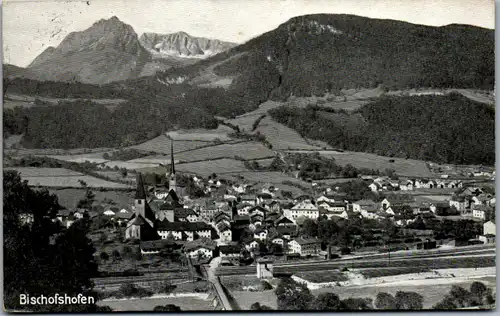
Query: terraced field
(403, 167)
(245, 150)
(161, 144)
(59, 177)
(207, 135)
(205, 168)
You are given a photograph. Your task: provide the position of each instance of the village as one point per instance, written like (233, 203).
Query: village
(240, 223)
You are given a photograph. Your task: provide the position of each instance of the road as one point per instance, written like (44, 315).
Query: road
(210, 272)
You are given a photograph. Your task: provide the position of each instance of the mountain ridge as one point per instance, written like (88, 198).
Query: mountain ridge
(181, 44)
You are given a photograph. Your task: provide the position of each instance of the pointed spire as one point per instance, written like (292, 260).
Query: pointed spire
(172, 165)
(140, 193)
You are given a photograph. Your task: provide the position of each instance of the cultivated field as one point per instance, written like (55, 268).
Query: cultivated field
(403, 167)
(323, 276)
(80, 158)
(204, 168)
(70, 197)
(246, 150)
(15, 100)
(59, 177)
(207, 135)
(245, 299)
(282, 137)
(161, 144)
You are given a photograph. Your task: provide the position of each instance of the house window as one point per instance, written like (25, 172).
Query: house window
(139, 202)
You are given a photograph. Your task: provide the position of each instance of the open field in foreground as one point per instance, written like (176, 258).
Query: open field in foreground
(432, 292)
(403, 167)
(59, 177)
(186, 303)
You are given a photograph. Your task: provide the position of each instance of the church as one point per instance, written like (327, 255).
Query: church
(163, 216)
(148, 212)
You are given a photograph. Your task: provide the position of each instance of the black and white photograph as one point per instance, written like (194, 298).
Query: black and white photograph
(223, 156)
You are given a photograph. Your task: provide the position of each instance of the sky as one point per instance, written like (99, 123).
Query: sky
(30, 26)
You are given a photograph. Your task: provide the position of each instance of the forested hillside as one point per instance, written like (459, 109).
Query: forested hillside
(445, 129)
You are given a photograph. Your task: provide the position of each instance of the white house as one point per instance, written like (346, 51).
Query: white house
(304, 208)
(489, 228)
(305, 246)
(362, 204)
(375, 186)
(459, 202)
(479, 211)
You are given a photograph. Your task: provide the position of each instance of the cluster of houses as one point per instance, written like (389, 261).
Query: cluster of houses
(387, 184)
(235, 221)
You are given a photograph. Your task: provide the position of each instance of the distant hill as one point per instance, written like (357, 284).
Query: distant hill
(311, 54)
(444, 129)
(182, 45)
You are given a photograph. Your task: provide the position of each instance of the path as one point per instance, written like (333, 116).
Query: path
(210, 271)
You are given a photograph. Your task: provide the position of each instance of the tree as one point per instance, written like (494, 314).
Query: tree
(385, 301)
(292, 295)
(309, 227)
(327, 302)
(123, 172)
(357, 304)
(104, 256)
(167, 308)
(478, 289)
(257, 307)
(66, 261)
(87, 201)
(116, 255)
(409, 300)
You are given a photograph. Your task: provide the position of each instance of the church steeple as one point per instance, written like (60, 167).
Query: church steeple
(172, 185)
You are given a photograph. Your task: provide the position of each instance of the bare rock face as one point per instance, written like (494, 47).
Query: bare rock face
(107, 51)
(181, 44)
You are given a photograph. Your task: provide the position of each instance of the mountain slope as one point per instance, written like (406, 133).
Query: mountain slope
(181, 44)
(107, 51)
(325, 52)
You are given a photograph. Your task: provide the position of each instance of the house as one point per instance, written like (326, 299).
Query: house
(459, 202)
(248, 199)
(254, 244)
(225, 232)
(260, 234)
(111, 211)
(406, 185)
(274, 206)
(287, 232)
(200, 249)
(480, 211)
(304, 208)
(264, 198)
(326, 198)
(362, 204)
(305, 246)
(153, 246)
(370, 212)
(487, 239)
(187, 231)
(396, 200)
(185, 215)
(230, 251)
(489, 228)
(332, 214)
(278, 240)
(375, 187)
